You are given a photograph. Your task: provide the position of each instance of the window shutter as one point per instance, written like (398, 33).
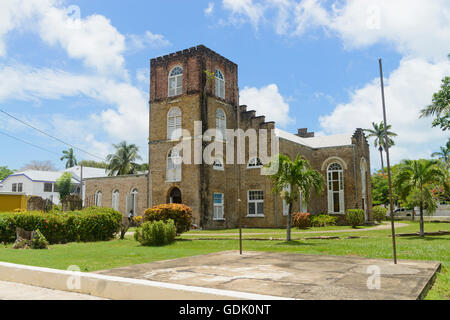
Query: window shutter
(330, 201)
(135, 204)
(128, 204)
(341, 201)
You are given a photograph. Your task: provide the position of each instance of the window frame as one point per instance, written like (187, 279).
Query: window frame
(256, 202)
(177, 115)
(97, 200)
(47, 184)
(330, 188)
(219, 84)
(221, 206)
(178, 90)
(169, 159)
(250, 165)
(115, 198)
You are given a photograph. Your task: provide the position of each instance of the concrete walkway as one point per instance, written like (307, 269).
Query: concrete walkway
(380, 227)
(18, 291)
(292, 275)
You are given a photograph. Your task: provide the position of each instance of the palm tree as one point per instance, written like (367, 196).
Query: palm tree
(378, 133)
(444, 154)
(414, 180)
(440, 106)
(123, 161)
(71, 160)
(299, 177)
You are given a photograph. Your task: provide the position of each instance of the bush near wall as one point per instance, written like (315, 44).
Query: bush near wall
(156, 233)
(301, 220)
(379, 213)
(92, 224)
(323, 220)
(355, 217)
(179, 213)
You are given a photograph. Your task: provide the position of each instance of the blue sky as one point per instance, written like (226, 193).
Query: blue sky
(79, 69)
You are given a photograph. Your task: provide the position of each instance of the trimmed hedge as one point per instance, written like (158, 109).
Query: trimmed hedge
(156, 233)
(323, 220)
(179, 213)
(379, 213)
(301, 220)
(91, 224)
(355, 217)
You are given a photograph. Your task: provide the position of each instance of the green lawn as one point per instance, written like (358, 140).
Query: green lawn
(376, 244)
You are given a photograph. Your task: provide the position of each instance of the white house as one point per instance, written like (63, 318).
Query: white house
(43, 183)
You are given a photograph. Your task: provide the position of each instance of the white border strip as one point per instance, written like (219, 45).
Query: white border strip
(113, 287)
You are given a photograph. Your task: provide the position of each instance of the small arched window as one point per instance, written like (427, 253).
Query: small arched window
(98, 199)
(221, 124)
(220, 84)
(174, 123)
(115, 200)
(335, 182)
(176, 81)
(255, 163)
(173, 170)
(218, 164)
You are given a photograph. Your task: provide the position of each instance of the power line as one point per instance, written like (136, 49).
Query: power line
(49, 135)
(29, 143)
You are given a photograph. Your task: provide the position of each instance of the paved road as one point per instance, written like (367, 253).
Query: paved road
(18, 291)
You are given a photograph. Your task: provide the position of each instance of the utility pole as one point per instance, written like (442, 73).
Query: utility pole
(386, 143)
(239, 183)
(82, 193)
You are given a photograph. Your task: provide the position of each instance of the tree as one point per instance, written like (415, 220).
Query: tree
(71, 160)
(378, 133)
(440, 106)
(93, 164)
(123, 161)
(292, 179)
(64, 185)
(40, 166)
(4, 172)
(444, 154)
(414, 182)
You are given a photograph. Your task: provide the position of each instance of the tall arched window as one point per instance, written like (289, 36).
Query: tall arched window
(173, 170)
(98, 199)
(221, 124)
(335, 188)
(132, 203)
(115, 200)
(174, 123)
(220, 84)
(176, 81)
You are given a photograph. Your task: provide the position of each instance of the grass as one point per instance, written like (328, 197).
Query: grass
(376, 244)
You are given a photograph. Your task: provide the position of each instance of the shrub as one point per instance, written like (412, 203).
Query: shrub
(379, 213)
(179, 213)
(323, 220)
(156, 233)
(300, 220)
(39, 241)
(92, 224)
(355, 217)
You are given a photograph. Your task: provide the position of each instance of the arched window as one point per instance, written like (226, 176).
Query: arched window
(221, 124)
(98, 199)
(218, 164)
(176, 81)
(335, 182)
(255, 163)
(132, 203)
(173, 170)
(174, 124)
(115, 200)
(220, 84)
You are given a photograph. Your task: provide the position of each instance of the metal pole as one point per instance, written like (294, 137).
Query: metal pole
(239, 185)
(82, 193)
(386, 147)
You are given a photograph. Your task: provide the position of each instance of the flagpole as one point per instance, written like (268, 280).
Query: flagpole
(386, 148)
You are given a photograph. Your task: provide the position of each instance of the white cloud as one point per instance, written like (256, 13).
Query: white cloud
(245, 8)
(408, 89)
(209, 10)
(148, 39)
(267, 101)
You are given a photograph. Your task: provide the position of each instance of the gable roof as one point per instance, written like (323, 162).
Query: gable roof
(40, 176)
(88, 172)
(337, 140)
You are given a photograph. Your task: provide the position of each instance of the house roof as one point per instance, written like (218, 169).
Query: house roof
(88, 172)
(40, 176)
(317, 142)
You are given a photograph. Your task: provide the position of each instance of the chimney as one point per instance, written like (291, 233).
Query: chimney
(303, 133)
